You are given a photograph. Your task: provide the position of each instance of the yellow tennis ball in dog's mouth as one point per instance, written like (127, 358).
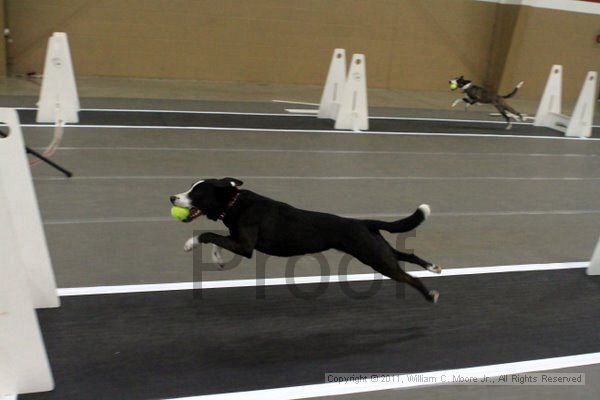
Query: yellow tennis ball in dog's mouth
(179, 213)
(453, 86)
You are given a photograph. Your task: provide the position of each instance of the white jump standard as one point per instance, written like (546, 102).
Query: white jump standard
(353, 112)
(594, 267)
(549, 111)
(59, 102)
(344, 97)
(26, 276)
(334, 86)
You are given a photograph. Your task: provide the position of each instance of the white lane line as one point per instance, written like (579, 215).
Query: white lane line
(263, 114)
(382, 152)
(162, 287)
(304, 103)
(117, 220)
(299, 131)
(329, 178)
(124, 110)
(406, 381)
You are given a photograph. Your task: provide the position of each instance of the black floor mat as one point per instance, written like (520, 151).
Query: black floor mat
(174, 344)
(133, 118)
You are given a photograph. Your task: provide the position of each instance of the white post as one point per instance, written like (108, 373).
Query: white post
(594, 267)
(29, 239)
(334, 85)
(353, 113)
(581, 121)
(24, 366)
(551, 99)
(58, 101)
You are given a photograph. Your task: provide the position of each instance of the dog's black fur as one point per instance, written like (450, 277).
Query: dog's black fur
(276, 228)
(477, 94)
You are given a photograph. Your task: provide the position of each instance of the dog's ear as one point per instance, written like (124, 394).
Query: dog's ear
(462, 77)
(231, 182)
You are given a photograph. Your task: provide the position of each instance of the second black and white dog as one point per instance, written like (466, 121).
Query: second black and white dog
(276, 228)
(477, 94)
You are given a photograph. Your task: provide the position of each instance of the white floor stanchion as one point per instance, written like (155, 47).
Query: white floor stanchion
(594, 267)
(29, 239)
(334, 85)
(550, 104)
(583, 114)
(24, 366)
(353, 112)
(549, 111)
(58, 101)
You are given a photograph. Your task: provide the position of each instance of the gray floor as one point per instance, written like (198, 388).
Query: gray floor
(495, 201)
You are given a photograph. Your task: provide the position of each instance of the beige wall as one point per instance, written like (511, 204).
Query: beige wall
(409, 44)
(3, 59)
(544, 37)
(415, 44)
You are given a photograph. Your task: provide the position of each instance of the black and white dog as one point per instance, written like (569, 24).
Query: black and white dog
(477, 94)
(276, 228)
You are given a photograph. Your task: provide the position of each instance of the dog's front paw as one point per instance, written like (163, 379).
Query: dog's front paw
(436, 269)
(217, 257)
(456, 102)
(434, 296)
(190, 244)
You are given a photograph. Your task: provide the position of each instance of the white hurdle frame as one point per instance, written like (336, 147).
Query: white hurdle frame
(24, 366)
(354, 111)
(334, 85)
(548, 114)
(594, 267)
(59, 101)
(26, 276)
(29, 239)
(344, 96)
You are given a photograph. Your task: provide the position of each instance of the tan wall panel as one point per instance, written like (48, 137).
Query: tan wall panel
(410, 44)
(3, 56)
(545, 37)
(440, 40)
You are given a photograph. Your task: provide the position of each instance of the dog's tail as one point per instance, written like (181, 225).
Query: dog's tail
(402, 225)
(514, 91)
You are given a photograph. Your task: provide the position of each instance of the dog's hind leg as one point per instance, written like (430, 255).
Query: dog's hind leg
(513, 113)
(379, 255)
(501, 110)
(413, 259)
(398, 275)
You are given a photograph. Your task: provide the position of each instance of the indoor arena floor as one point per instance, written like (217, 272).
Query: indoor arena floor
(499, 198)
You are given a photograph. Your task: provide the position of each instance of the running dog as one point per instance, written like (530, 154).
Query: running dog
(276, 228)
(477, 94)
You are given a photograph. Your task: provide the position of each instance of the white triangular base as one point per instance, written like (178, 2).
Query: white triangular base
(549, 111)
(334, 85)
(353, 113)
(58, 97)
(24, 366)
(594, 267)
(583, 114)
(551, 99)
(29, 239)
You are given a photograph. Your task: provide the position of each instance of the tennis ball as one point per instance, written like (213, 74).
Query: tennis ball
(179, 213)
(453, 86)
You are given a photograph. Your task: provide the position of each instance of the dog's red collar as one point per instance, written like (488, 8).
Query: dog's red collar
(229, 205)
